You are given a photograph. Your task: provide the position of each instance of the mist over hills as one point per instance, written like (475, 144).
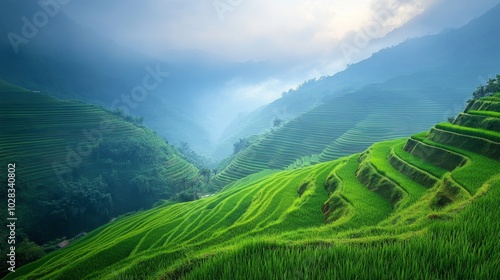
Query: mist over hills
(131, 159)
(448, 65)
(72, 62)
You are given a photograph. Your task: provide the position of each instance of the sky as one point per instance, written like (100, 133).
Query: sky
(242, 30)
(310, 38)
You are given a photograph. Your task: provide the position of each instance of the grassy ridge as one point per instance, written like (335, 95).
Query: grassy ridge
(419, 163)
(464, 246)
(317, 222)
(486, 134)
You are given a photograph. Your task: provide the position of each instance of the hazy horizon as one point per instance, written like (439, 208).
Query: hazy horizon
(304, 39)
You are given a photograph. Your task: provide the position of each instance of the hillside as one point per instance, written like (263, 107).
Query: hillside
(79, 165)
(339, 127)
(446, 63)
(418, 208)
(72, 62)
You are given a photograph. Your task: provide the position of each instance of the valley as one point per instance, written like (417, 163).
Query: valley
(420, 197)
(158, 140)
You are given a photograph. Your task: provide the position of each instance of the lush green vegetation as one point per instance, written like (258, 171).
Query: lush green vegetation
(486, 134)
(355, 217)
(418, 162)
(491, 87)
(340, 127)
(78, 165)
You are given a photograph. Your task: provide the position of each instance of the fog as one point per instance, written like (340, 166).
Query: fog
(305, 34)
(233, 56)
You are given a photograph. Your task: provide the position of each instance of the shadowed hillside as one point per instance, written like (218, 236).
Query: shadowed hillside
(79, 165)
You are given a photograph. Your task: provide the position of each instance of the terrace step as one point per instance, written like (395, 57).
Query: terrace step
(484, 105)
(376, 181)
(434, 155)
(448, 192)
(378, 156)
(471, 143)
(478, 121)
(411, 171)
(369, 207)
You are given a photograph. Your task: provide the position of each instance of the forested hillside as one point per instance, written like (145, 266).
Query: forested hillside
(79, 165)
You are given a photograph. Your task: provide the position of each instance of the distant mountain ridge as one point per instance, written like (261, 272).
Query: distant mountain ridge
(71, 62)
(447, 63)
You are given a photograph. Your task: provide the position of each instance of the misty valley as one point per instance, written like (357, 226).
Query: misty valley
(160, 140)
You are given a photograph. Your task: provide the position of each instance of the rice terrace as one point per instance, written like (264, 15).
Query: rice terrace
(265, 155)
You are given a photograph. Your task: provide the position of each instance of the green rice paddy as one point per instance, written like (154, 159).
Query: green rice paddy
(338, 128)
(364, 216)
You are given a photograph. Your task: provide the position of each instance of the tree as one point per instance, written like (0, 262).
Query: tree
(184, 148)
(28, 251)
(138, 121)
(205, 174)
(240, 145)
(491, 87)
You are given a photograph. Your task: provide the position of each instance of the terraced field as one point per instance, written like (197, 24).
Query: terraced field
(39, 132)
(338, 128)
(59, 146)
(418, 208)
(380, 126)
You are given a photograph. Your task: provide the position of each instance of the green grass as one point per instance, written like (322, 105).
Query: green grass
(462, 248)
(418, 162)
(484, 113)
(486, 134)
(56, 143)
(369, 207)
(472, 175)
(378, 157)
(335, 129)
(272, 225)
(486, 105)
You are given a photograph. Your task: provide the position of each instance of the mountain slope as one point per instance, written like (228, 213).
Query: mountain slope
(72, 62)
(339, 127)
(79, 165)
(401, 203)
(451, 63)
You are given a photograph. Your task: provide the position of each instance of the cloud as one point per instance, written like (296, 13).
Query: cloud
(247, 30)
(305, 35)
